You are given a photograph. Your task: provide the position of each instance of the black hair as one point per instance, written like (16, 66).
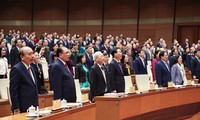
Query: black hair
(156, 53)
(79, 58)
(161, 54)
(17, 40)
(114, 51)
(123, 58)
(1, 47)
(176, 59)
(59, 50)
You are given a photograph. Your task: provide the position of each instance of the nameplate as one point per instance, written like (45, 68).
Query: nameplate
(170, 84)
(152, 86)
(189, 82)
(85, 98)
(56, 104)
(132, 89)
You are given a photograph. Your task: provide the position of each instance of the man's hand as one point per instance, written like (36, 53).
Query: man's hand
(16, 111)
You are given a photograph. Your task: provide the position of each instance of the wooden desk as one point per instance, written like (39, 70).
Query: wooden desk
(86, 112)
(166, 104)
(5, 108)
(45, 100)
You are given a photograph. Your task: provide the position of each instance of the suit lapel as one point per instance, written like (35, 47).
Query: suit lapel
(99, 71)
(165, 66)
(65, 68)
(25, 71)
(116, 64)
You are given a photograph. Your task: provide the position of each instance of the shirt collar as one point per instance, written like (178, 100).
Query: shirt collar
(27, 66)
(116, 60)
(62, 61)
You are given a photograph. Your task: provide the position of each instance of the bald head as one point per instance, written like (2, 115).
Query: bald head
(98, 57)
(26, 55)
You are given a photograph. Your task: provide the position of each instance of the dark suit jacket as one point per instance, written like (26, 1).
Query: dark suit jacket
(97, 82)
(96, 48)
(80, 73)
(139, 67)
(189, 56)
(23, 91)
(163, 75)
(116, 77)
(103, 47)
(195, 67)
(14, 56)
(171, 60)
(62, 82)
(39, 75)
(89, 62)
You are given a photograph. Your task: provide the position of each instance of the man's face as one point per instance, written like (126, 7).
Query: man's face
(19, 43)
(165, 57)
(28, 56)
(65, 55)
(118, 54)
(106, 58)
(100, 59)
(89, 50)
(198, 54)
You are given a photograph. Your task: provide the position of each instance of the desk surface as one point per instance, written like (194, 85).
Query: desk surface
(115, 108)
(86, 112)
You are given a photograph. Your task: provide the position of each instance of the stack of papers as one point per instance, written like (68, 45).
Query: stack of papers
(114, 94)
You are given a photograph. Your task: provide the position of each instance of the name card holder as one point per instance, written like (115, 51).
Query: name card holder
(56, 104)
(132, 89)
(189, 82)
(170, 84)
(152, 86)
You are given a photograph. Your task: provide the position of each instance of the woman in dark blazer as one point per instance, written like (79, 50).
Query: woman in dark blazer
(81, 71)
(125, 66)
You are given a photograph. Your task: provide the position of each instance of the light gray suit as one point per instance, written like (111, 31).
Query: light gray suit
(177, 74)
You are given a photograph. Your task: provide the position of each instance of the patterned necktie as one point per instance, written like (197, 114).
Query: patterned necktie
(120, 66)
(31, 74)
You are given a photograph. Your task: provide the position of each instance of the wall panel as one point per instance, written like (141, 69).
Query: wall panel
(85, 16)
(15, 10)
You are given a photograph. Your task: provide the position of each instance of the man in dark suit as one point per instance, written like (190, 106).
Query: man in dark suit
(37, 67)
(174, 53)
(61, 78)
(186, 44)
(23, 83)
(163, 75)
(14, 53)
(105, 46)
(195, 65)
(140, 63)
(97, 46)
(89, 57)
(98, 77)
(116, 74)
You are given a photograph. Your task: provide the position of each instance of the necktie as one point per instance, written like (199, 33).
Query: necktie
(167, 66)
(104, 75)
(103, 68)
(120, 66)
(90, 56)
(31, 74)
(68, 69)
(143, 63)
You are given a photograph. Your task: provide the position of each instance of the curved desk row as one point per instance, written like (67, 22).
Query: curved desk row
(166, 104)
(86, 112)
